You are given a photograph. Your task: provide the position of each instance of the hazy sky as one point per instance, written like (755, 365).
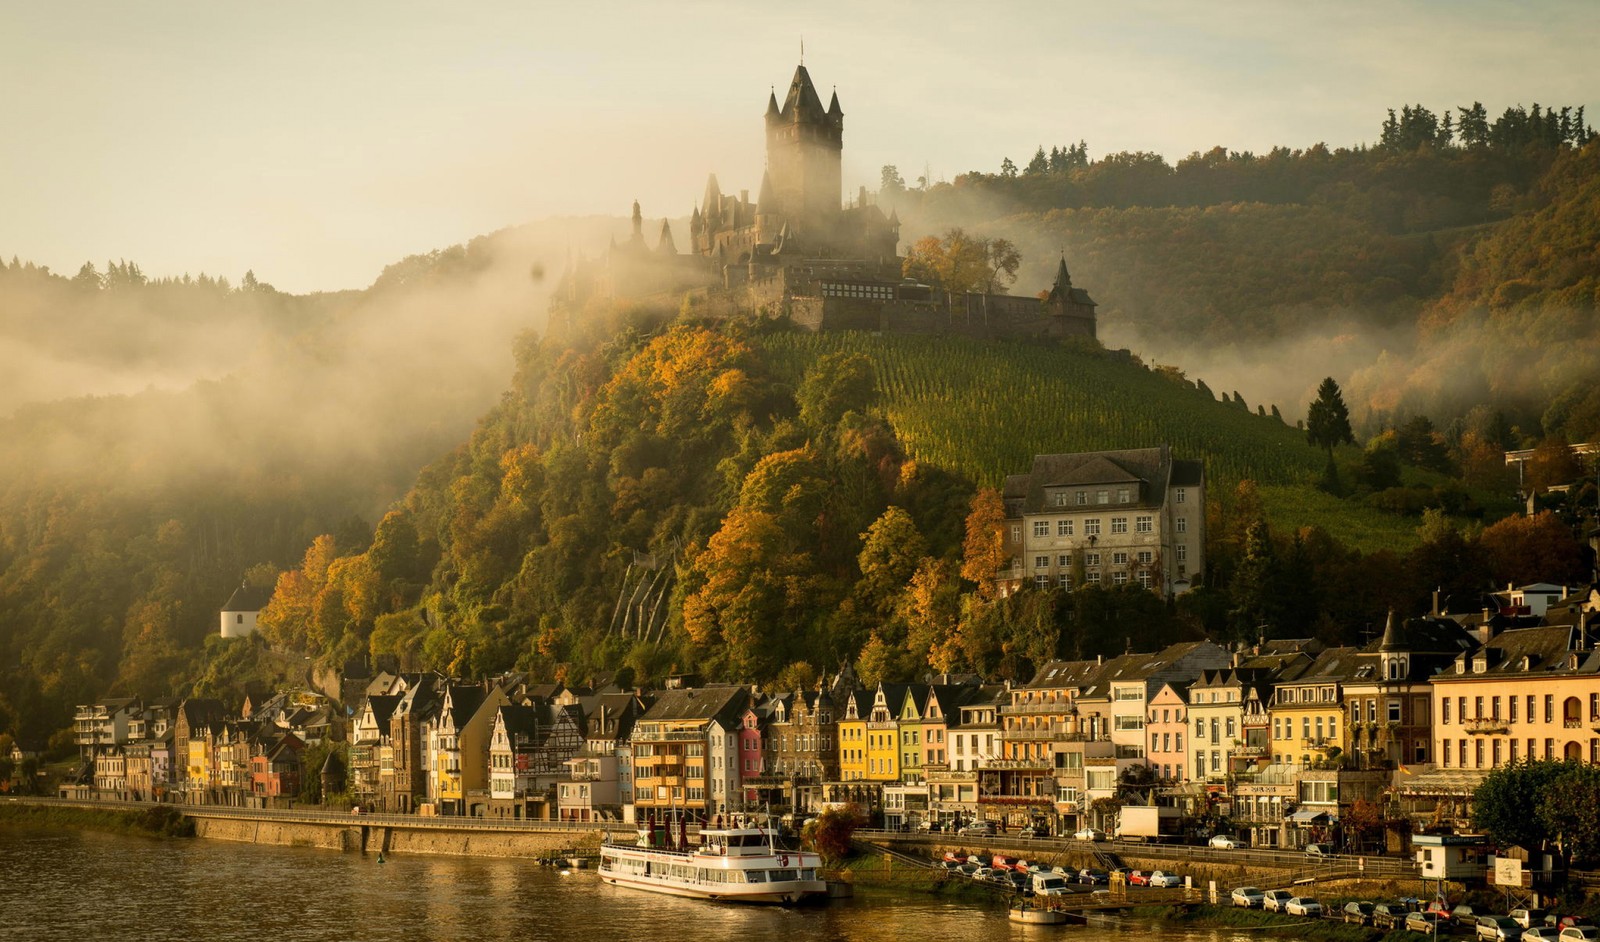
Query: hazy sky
(317, 142)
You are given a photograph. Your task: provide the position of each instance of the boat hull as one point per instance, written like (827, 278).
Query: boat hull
(786, 893)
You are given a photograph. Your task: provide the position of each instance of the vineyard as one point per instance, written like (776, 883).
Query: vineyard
(985, 409)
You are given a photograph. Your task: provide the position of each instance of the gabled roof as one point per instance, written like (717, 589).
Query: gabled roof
(383, 708)
(698, 704)
(1098, 469)
(248, 598)
(1332, 665)
(1522, 651)
(1064, 674)
(1025, 493)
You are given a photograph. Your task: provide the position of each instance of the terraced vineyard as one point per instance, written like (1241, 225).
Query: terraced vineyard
(984, 409)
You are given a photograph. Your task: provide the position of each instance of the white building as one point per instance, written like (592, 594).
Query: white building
(238, 618)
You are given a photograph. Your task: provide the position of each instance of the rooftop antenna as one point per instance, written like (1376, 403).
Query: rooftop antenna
(802, 49)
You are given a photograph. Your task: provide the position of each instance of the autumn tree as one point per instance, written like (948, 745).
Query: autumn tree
(959, 262)
(984, 551)
(1552, 464)
(829, 833)
(890, 551)
(1525, 549)
(930, 608)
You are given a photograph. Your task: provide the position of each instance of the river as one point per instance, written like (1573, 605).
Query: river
(85, 886)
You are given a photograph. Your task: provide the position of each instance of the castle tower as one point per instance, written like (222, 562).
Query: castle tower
(804, 143)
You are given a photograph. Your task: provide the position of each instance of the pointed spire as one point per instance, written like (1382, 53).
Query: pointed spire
(665, 245)
(1393, 636)
(802, 97)
(1063, 280)
(712, 205)
(638, 221)
(894, 218)
(833, 106)
(766, 203)
(772, 105)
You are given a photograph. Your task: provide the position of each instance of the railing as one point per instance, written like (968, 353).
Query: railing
(1487, 724)
(1014, 709)
(671, 735)
(1033, 765)
(447, 822)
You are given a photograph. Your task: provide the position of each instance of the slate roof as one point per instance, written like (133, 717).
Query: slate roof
(1151, 467)
(248, 598)
(698, 704)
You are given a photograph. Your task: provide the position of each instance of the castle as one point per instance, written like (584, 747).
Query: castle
(799, 251)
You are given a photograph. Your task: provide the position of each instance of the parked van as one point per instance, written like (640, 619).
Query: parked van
(1047, 883)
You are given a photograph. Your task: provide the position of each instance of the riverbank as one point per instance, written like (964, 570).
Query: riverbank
(159, 821)
(1271, 925)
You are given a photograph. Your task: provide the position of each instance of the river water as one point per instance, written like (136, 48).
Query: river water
(85, 887)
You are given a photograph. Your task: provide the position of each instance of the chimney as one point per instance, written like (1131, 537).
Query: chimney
(1436, 602)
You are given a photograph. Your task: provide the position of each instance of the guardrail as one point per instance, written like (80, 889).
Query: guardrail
(295, 815)
(1247, 856)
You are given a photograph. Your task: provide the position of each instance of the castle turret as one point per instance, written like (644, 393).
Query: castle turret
(638, 224)
(804, 142)
(768, 215)
(665, 245)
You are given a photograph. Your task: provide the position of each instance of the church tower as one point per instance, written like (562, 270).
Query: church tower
(804, 142)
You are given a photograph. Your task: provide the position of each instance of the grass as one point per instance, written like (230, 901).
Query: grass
(1290, 507)
(157, 821)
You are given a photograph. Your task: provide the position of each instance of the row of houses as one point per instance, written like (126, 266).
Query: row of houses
(1279, 741)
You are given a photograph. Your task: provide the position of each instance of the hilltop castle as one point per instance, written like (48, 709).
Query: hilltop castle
(800, 251)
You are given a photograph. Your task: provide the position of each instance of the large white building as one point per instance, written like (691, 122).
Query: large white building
(239, 613)
(1108, 518)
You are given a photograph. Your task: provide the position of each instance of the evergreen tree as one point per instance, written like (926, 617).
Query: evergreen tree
(1328, 419)
(1039, 164)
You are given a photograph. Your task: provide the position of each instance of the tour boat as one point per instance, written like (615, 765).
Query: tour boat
(730, 864)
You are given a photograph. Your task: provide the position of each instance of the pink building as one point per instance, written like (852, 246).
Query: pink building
(1164, 728)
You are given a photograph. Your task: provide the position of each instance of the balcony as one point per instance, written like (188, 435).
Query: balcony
(1034, 735)
(1319, 742)
(1488, 725)
(1025, 765)
(1048, 707)
(670, 735)
(1572, 722)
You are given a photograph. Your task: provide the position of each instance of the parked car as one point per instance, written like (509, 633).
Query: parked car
(1272, 900)
(1579, 934)
(1358, 913)
(1139, 878)
(1541, 934)
(1425, 923)
(1463, 916)
(978, 829)
(1034, 830)
(1319, 851)
(1067, 873)
(1090, 834)
(1527, 918)
(1498, 929)
(1390, 915)
(1247, 896)
(1091, 876)
(1162, 878)
(1223, 842)
(1303, 906)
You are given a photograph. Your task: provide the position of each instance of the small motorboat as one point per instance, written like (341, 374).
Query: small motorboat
(1025, 912)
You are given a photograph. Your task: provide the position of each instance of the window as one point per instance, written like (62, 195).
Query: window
(1494, 708)
(1091, 526)
(1461, 753)
(1119, 558)
(1092, 577)
(1182, 552)
(1064, 560)
(1064, 580)
(1059, 499)
(1063, 528)
(1102, 497)
(1144, 523)
(1119, 578)
(1144, 579)
(1511, 704)
(1394, 709)
(1042, 580)
(1496, 752)
(1041, 562)
(1016, 533)
(1091, 559)
(1119, 524)
(1444, 711)
(1199, 729)
(1082, 498)
(1180, 496)
(1549, 713)
(1146, 557)
(1181, 524)
(1041, 528)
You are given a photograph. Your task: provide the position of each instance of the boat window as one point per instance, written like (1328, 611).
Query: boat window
(778, 876)
(755, 876)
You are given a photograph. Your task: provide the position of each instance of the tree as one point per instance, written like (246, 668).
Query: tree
(984, 552)
(830, 833)
(1007, 168)
(1328, 421)
(1039, 164)
(1505, 805)
(959, 262)
(1527, 549)
(890, 551)
(1553, 464)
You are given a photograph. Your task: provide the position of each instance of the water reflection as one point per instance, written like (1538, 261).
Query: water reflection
(82, 886)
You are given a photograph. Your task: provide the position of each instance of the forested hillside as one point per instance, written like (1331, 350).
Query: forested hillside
(646, 494)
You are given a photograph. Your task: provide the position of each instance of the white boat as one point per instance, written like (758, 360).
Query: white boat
(734, 864)
(1034, 915)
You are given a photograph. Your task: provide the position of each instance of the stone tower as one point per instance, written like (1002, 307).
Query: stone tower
(803, 147)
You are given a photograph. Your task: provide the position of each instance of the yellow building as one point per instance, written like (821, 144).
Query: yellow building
(1530, 693)
(853, 736)
(1307, 711)
(883, 733)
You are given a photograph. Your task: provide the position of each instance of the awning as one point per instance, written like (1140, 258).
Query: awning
(1309, 817)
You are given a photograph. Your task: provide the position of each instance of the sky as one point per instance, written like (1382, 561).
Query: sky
(314, 143)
